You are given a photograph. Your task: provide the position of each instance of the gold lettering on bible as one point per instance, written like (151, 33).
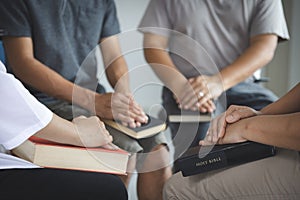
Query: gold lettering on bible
(210, 161)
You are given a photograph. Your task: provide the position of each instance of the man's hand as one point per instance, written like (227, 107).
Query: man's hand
(199, 93)
(119, 106)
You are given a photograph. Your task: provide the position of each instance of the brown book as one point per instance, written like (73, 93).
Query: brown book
(154, 126)
(54, 155)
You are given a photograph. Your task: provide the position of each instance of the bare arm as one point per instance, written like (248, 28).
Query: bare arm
(278, 130)
(156, 55)
(28, 69)
(87, 132)
(277, 124)
(124, 106)
(115, 64)
(259, 53)
(34, 73)
(289, 103)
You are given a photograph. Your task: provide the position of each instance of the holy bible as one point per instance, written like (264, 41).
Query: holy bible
(188, 116)
(154, 126)
(202, 159)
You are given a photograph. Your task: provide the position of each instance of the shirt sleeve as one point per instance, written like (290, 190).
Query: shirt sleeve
(111, 23)
(14, 18)
(21, 114)
(156, 19)
(269, 18)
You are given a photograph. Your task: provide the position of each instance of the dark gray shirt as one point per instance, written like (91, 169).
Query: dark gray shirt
(64, 32)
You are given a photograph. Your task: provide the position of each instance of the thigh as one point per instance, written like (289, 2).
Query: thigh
(250, 94)
(59, 184)
(277, 177)
(68, 111)
(124, 141)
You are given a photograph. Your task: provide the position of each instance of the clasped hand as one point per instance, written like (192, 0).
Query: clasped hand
(227, 127)
(120, 106)
(199, 93)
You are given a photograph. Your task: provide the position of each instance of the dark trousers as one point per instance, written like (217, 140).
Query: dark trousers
(42, 183)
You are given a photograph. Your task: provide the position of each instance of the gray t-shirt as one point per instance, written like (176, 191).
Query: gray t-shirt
(208, 35)
(64, 32)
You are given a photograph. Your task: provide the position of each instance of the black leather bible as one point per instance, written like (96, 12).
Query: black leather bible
(154, 126)
(202, 159)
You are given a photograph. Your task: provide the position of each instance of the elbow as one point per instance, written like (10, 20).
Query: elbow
(151, 55)
(148, 55)
(269, 55)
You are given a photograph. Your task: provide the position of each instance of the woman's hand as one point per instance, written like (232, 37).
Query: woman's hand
(91, 132)
(219, 125)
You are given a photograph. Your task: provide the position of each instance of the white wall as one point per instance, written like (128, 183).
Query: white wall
(294, 58)
(284, 70)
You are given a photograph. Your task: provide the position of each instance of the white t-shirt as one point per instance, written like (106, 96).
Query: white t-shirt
(21, 117)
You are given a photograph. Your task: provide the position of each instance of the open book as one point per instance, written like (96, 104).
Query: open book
(54, 155)
(151, 128)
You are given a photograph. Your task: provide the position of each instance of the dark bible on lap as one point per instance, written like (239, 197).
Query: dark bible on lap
(202, 159)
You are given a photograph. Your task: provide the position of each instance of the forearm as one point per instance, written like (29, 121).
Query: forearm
(118, 75)
(259, 53)
(61, 131)
(278, 130)
(20, 55)
(289, 103)
(115, 65)
(42, 78)
(164, 68)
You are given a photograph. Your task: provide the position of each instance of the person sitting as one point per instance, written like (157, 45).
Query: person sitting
(276, 177)
(23, 116)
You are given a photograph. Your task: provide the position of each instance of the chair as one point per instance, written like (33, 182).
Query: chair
(2, 54)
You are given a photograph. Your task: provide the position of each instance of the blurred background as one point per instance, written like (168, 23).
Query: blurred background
(283, 72)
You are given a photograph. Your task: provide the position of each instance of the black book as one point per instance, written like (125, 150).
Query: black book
(154, 126)
(190, 117)
(177, 115)
(202, 159)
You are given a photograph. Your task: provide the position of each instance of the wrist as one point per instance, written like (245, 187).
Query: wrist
(85, 98)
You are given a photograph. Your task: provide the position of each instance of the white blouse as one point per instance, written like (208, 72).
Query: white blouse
(21, 116)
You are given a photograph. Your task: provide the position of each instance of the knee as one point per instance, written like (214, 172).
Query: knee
(168, 191)
(161, 155)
